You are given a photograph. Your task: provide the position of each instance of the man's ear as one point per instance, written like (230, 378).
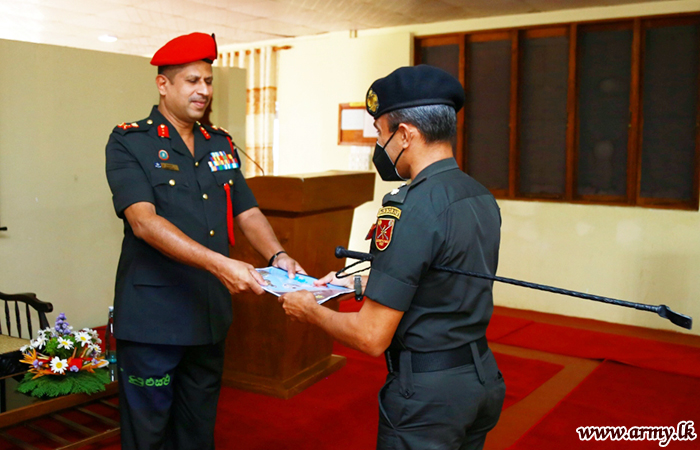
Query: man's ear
(407, 133)
(161, 82)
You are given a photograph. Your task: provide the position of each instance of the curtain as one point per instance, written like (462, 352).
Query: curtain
(261, 68)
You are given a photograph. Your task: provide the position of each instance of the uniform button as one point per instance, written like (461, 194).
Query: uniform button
(171, 182)
(149, 121)
(196, 163)
(211, 233)
(205, 196)
(230, 182)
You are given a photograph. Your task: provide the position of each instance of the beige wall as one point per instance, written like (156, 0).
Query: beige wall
(636, 254)
(317, 75)
(58, 107)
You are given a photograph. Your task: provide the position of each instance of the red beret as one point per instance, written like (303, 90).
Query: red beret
(186, 49)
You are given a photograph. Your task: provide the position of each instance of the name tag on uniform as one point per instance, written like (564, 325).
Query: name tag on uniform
(222, 161)
(168, 166)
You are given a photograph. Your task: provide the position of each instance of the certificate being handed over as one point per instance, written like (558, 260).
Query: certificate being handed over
(278, 283)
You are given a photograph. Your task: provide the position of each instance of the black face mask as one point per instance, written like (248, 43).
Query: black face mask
(385, 167)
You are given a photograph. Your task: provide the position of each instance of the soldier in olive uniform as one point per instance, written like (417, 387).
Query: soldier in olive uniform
(443, 389)
(178, 187)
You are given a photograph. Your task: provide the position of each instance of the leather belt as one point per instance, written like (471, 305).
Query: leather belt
(439, 360)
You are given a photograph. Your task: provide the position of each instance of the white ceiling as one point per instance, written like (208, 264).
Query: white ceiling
(142, 26)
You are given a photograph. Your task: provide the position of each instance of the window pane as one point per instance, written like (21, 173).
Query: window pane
(605, 66)
(543, 115)
(670, 95)
(445, 57)
(488, 112)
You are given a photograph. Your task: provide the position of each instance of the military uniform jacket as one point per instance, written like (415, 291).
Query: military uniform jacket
(158, 300)
(444, 217)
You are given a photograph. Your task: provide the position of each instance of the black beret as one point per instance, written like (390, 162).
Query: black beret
(411, 86)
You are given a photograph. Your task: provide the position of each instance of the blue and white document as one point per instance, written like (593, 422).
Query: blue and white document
(278, 283)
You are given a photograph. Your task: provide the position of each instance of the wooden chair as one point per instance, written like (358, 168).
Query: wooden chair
(12, 338)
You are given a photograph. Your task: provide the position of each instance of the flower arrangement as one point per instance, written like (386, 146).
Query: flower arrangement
(63, 362)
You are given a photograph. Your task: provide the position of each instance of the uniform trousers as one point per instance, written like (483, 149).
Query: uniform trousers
(450, 409)
(168, 395)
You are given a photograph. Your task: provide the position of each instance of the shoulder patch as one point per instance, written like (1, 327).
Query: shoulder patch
(391, 211)
(383, 233)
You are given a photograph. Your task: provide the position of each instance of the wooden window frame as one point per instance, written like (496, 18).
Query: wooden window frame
(639, 25)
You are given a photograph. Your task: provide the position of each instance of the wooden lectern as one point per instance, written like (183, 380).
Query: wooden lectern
(266, 352)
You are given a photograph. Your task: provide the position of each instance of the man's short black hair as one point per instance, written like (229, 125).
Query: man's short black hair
(437, 123)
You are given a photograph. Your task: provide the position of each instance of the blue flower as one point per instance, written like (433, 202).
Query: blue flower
(74, 369)
(36, 363)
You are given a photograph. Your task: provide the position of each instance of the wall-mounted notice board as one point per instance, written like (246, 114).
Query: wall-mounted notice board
(355, 125)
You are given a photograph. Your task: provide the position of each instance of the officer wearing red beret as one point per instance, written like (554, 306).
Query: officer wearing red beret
(178, 187)
(443, 389)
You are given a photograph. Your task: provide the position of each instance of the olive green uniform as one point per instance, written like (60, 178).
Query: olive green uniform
(444, 389)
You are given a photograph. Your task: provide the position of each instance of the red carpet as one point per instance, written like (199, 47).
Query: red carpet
(618, 395)
(665, 357)
(501, 326)
(523, 376)
(341, 410)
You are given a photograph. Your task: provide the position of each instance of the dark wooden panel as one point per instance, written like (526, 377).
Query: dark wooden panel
(543, 116)
(670, 109)
(604, 79)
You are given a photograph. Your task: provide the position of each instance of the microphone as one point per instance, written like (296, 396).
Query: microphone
(342, 252)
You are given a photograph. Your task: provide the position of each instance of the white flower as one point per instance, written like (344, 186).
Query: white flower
(24, 348)
(59, 365)
(90, 331)
(40, 341)
(83, 338)
(65, 343)
(95, 348)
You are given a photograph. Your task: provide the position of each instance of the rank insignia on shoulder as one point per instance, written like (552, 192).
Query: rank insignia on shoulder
(370, 234)
(163, 131)
(389, 211)
(126, 126)
(383, 233)
(222, 161)
(204, 133)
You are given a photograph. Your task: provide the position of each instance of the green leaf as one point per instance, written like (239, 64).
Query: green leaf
(56, 385)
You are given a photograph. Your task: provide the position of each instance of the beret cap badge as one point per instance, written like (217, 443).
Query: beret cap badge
(372, 101)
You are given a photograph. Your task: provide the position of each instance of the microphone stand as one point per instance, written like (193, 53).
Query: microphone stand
(663, 311)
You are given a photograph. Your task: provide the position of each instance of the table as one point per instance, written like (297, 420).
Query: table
(67, 422)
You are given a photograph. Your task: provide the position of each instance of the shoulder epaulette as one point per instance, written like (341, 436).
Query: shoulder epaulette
(399, 194)
(218, 130)
(127, 127)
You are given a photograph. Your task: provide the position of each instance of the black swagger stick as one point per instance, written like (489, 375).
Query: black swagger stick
(662, 310)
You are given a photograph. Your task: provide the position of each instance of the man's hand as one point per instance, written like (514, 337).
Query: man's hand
(332, 279)
(238, 276)
(284, 261)
(299, 305)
